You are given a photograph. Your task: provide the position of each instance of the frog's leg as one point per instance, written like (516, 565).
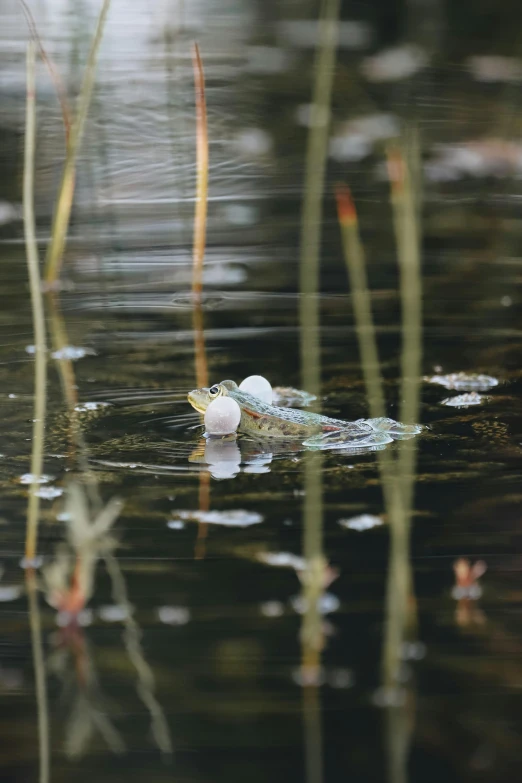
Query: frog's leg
(357, 435)
(394, 429)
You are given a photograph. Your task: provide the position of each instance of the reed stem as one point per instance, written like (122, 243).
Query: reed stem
(40, 342)
(311, 217)
(62, 212)
(200, 217)
(39, 417)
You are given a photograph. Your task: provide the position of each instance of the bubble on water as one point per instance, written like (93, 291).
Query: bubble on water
(174, 615)
(362, 522)
(222, 416)
(272, 609)
(258, 387)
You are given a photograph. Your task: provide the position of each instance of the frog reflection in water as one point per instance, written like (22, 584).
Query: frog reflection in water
(261, 420)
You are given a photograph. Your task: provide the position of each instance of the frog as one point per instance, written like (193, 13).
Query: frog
(261, 420)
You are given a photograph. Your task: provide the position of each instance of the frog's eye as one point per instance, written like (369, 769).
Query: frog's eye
(214, 391)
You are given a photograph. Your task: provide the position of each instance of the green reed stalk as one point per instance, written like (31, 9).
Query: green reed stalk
(39, 417)
(362, 307)
(311, 217)
(399, 571)
(63, 207)
(40, 342)
(400, 600)
(200, 217)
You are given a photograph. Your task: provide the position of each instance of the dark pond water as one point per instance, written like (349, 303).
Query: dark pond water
(233, 628)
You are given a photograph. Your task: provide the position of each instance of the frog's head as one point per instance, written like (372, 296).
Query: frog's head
(200, 399)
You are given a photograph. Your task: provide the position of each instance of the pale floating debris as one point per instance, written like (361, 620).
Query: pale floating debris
(175, 524)
(13, 396)
(113, 613)
(49, 493)
(354, 140)
(30, 349)
(392, 65)
(482, 158)
(472, 591)
(259, 387)
(235, 518)
(12, 679)
(303, 32)
(312, 115)
(464, 400)
(83, 407)
(73, 353)
(28, 478)
(413, 651)
(462, 381)
(326, 604)
(259, 463)
(306, 676)
(31, 562)
(253, 142)
(64, 516)
(288, 397)
(267, 59)
(340, 678)
(10, 593)
(83, 618)
(241, 215)
(282, 560)
(389, 697)
(506, 301)
(494, 68)
(362, 522)
(272, 609)
(222, 416)
(9, 212)
(174, 615)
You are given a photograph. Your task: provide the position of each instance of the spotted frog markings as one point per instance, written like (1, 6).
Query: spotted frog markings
(261, 420)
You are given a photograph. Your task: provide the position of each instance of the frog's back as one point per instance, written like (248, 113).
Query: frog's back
(259, 416)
